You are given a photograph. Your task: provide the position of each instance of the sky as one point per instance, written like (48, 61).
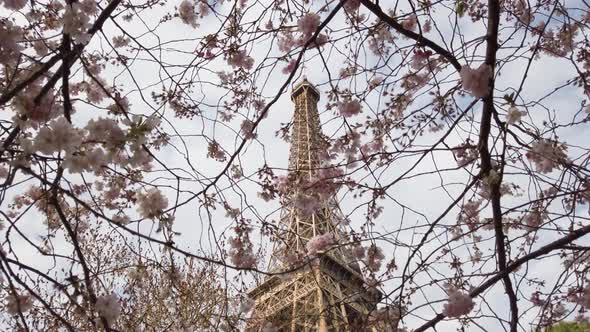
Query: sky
(424, 197)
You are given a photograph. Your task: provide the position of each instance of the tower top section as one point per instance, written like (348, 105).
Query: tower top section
(305, 86)
(306, 137)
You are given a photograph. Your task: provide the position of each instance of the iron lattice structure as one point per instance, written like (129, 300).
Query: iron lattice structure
(328, 293)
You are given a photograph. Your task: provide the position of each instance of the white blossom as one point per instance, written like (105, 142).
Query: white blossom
(105, 131)
(458, 304)
(546, 155)
(76, 23)
(151, 203)
(477, 80)
(58, 136)
(513, 116)
(84, 161)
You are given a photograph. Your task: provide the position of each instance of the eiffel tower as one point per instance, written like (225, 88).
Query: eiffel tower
(328, 293)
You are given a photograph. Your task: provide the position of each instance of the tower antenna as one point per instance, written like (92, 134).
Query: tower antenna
(304, 66)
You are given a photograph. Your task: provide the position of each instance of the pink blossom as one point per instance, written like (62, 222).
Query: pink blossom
(76, 23)
(524, 12)
(534, 218)
(375, 82)
(11, 36)
(57, 136)
(290, 67)
(359, 251)
(138, 158)
(18, 303)
(307, 205)
(347, 72)
(187, 14)
(547, 155)
(374, 258)
(349, 108)
(151, 203)
(410, 23)
(89, 7)
(15, 4)
(94, 91)
(106, 131)
(458, 304)
(286, 42)
(241, 248)
(269, 25)
(240, 59)
(536, 299)
(351, 5)
(477, 80)
(320, 40)
(259, 104)
(121, 219)
(247, 305)
(3, 172)
(108, 307)
(584, 298)
(308, 24)
(247, 128)
(91, 160)
(214, 151)
(120, 41)
(319, 243)
(269, 327)
(465, 154)
(470, 214)
(204, 9)
(40, 47)
(420, 59)
(427, 26)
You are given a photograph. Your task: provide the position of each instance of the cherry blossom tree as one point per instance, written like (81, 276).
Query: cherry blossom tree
(143, 160)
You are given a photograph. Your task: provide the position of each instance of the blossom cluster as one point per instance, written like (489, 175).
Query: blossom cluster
(108, 307)
(241, 248)
(349, 108)
(95, 146)
(374, 258)
(308, 24)
(465, 153)
(18, 303)
(459, 303)
(476, 81)
(152, 203)
(547, 155)
(76, 20)
(320, 243)
(240, 59)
